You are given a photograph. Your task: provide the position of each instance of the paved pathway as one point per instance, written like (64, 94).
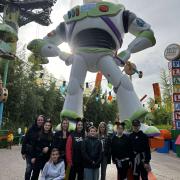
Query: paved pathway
(166, 167)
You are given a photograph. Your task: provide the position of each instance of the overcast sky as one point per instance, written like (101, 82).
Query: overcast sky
(162, 15)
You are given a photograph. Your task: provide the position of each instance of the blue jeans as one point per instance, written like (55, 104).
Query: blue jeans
(91, 174)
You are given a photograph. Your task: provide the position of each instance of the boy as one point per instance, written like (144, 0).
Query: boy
(92, 155)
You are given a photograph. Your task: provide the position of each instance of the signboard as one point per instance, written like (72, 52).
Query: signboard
(172, 52)
(176, 64)
(176, 80)
(176, 97)
(176, 72)
(177, 124)
(176, 106)
(177, 115)
(176, 89)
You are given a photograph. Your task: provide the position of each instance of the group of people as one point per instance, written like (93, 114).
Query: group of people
(80, 154)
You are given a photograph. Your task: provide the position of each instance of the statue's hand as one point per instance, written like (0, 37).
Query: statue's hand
(36, 45)
(43, 48)
(123, 57)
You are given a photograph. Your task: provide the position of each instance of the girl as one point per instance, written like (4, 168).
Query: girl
(106, 148)
(122, 152)
(55, 168)
(28, 144)
(92, 153)
(41, 149)
(73, 152)
(60, 138)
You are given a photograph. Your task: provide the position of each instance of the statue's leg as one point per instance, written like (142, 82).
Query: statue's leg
(74, 99)
(128, 102)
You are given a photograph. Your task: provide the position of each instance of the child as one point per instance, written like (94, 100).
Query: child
(122, 152)
(92, 155)
(55, 168)
(10, 138)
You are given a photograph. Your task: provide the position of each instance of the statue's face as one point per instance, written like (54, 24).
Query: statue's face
(91, 1)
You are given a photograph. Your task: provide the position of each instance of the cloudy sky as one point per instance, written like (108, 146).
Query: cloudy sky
(162, 15)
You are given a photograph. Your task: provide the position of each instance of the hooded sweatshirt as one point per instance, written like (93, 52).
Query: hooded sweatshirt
(53, 171)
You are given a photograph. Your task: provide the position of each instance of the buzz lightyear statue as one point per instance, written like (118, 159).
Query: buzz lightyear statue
(95, 31)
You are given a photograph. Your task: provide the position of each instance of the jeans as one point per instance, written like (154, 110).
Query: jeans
(28, 168)
(76, 170)
(141, 171)
(123, 170)
(103, 168)
(91, 174)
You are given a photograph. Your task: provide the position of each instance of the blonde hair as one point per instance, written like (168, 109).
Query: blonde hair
(99, 131)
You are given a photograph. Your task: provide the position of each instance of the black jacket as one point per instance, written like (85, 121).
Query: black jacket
(77, 139)
(29, 140)
(140, 144)
(121, 148)
(60, 142)
(106, 147)
(92, 151)
(43, 140)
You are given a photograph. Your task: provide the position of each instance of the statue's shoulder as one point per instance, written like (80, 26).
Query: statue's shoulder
(93, 10)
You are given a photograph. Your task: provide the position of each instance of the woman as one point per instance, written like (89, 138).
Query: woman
(73, 152)
(55, 168)
(41, 149)
(106, 148)
(28, 143)
(122, 152)
(92, 155)
(60, 138)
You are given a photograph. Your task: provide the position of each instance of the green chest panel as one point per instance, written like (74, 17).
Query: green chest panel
(92, 10)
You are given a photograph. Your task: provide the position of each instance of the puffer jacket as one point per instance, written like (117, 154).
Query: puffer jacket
(92, 152)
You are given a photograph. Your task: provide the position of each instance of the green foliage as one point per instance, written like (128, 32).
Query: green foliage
(97, 112)
(161, 113)
(161, 116)
(27, 98)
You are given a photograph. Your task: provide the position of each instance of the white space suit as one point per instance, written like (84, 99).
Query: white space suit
(95, 32)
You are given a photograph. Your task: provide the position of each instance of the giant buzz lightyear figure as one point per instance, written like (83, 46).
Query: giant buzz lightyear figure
(95, 31)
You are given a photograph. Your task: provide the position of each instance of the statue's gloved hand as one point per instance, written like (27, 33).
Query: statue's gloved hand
(36, 45)
(123, 57)
(43, 48)
(46, 49)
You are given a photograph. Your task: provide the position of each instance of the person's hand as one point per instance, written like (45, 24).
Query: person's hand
(33, 160)
(122, 57)
(45, 150)
(23, 156)
(130, 164)
(147, 167)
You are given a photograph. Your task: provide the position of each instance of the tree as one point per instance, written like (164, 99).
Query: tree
(162, 113)
(96, 111)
